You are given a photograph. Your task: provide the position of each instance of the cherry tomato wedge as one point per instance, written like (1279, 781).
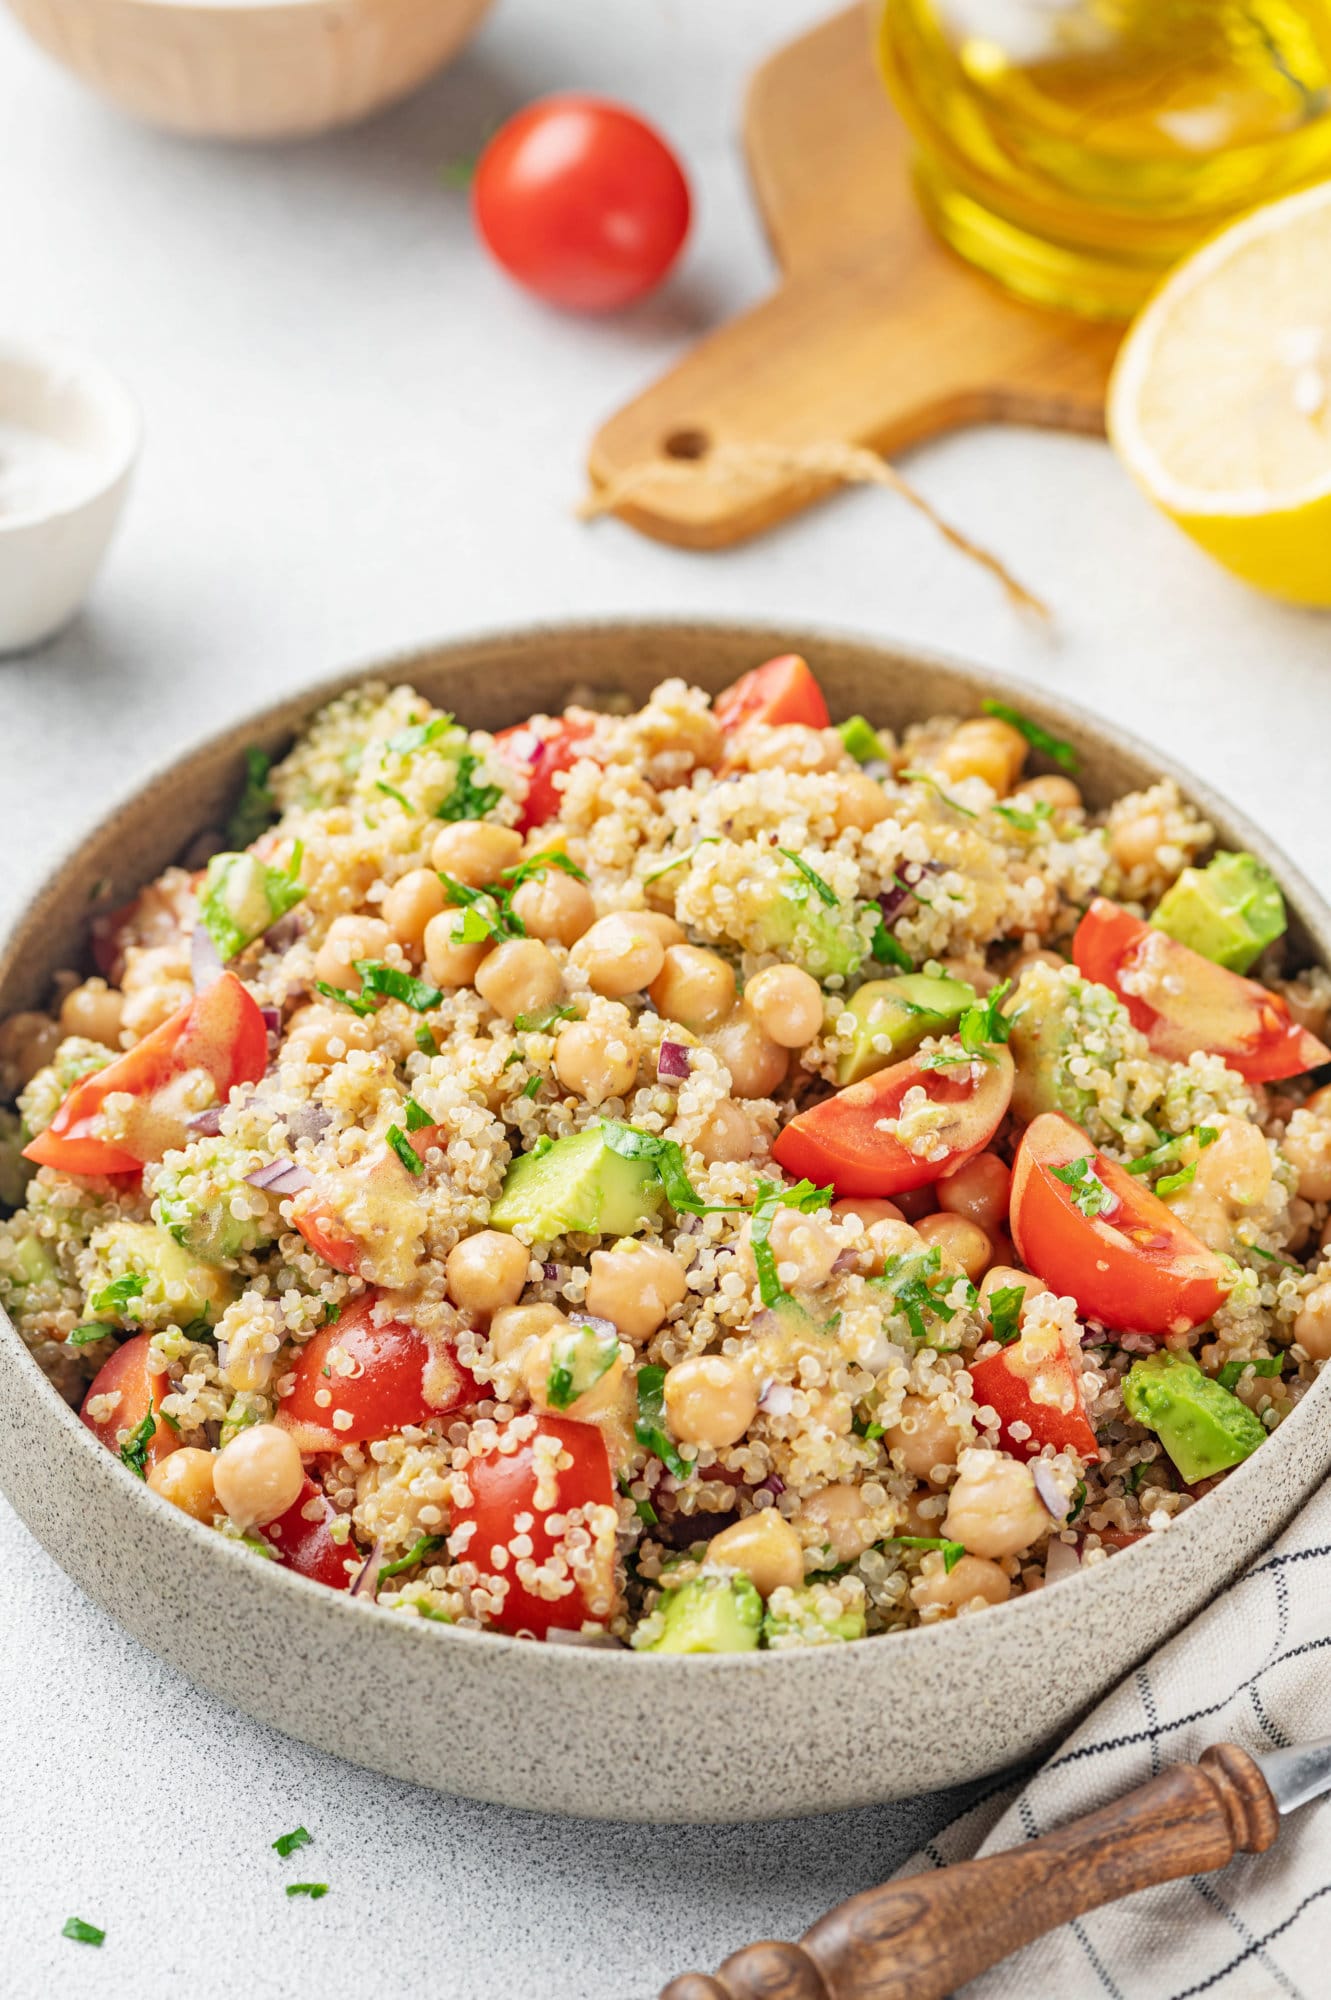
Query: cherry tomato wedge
(783, 690)
(1135, 1267)
(302, 1540)
(128, 1376)
(839, 1141)
(561, 1471)
(381, 1377)
(541, 757)
(581, 202)
(1183, 1002)
(220, 1030)
(1036, 1382)
(373, 1192)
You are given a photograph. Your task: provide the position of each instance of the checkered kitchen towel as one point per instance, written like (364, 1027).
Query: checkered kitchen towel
(1254, 1669)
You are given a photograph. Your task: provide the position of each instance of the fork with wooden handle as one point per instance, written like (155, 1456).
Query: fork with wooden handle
(922, 1938)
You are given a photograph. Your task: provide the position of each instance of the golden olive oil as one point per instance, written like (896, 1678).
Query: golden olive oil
(1075, 149)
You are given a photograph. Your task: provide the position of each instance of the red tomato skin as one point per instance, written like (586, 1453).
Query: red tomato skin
(306, 1546)
(1275, 1046)
(1160, 1280)
(997, 1382)
(836, 1142)
(140, 1391)
(325, 1232)
(503, 1485)
(220, 1030)
(581, 202)
(394, 1366)
(782, 690)
(541, 757)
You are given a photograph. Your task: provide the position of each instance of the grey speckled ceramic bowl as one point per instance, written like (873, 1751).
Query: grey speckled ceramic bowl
(564, 1729)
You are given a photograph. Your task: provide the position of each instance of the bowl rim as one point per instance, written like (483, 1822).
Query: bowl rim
(1050, 710)
(52, 359)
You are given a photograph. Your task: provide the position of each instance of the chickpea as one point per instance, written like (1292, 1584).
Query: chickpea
(185, 1478)
(1058, 792)
(694, 987)
(979, 1191)
(515, 1327)
(1133, 842)
(27, 1043)
(994, 1508)
(963, 1244)
(535, 1366)
(1312, 1328)
(765, 1547)
(486, 1272)
(892, 1238)
(475, 851)
(984, 748)
(323, 1034)
(411, 902)
(93, 1009)
(348, 939)
(867, 1209)
(842, 1521)
(727, 1135)
(519, 977)
(634, 1285)
(859, 802)
(619, 954)
(923, 1439)
(1003, 1278)
(971, 1577)
(710, 1399)
(554, 906)
(448, 961)
(258, 1475)
(1307, 1147)
(596, 1060)
(802, 1241)
(665, 927)
(756, 1063)
(787, 1004)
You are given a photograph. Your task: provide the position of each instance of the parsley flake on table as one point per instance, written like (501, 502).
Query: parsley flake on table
(287, 1843)
(311, 1889)
(81, 1932)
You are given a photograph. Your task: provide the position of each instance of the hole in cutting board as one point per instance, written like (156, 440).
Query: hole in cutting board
(686, 444)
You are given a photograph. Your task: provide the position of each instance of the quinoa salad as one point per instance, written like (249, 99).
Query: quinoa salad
(695, 1179)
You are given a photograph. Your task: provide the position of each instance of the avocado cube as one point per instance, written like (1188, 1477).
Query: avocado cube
(194, 1199)
(577, 1186)
(862, 740)
(901, 1012)
(817, 1614)
(708, 1614)
(1229, 911)
(176, 1289)
(1201, 1425)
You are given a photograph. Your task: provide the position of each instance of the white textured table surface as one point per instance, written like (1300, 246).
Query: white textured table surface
(359, 437)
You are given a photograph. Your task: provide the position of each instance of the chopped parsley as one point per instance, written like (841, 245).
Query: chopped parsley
(134, 1451)
(926, 778)
(1054, 747)
(1023, 821)
(256, 806)
(425, 1041)
(287, 1843)
(404, 1149)
(1079, 1493)
(81, 1933)
(889, 950)
(952, 1551)
(1160, 1156)
(579, 1358)
(536, 865)
(864, 1429)
(426, 1546)
(537, 1024)
(1135, 1475)
(908, 1280)
(532, 1085)
(1171, 1183)
(1261, 1364)
(417, 1118)
(84, 1336)
(358, 1002)
(391, 983)
(468, 800)
(644, 1509)
(708, 840)
(823, 890)
(311, 1889)
(116, 1295)
(392, 792)
(980, 1028)
(483, 918)
(667, 1161)
(805, 1197)
(332, 1313)
(650, 1430)
(408, 741)
(1005, 1313)
(1089, 1193)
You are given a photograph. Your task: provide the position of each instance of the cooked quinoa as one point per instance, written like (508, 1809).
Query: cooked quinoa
(697, 1178)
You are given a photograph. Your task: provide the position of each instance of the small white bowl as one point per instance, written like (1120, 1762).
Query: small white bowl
(69, 436)
(272, 69)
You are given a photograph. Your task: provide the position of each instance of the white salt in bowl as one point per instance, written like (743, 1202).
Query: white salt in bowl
(232, 69)
(69, 436)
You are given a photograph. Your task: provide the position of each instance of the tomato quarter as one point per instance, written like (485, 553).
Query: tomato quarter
(380, 1377)
(304, 1543)
(127, 1376)
(1036, 1383)
(540, 758)
(783, 690)
(840, 1140)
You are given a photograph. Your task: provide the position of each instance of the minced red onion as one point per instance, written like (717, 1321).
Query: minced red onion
(281, 1177)
(551, 1272)
(773, 1484)
(307, 1121)
(672, 1062)
(207, 1124)
(1052, 1496)
(205, 963)
(597, 1325)
(367, 1576)
(282, 934)
(272, 1019)
(847, 1260)
(778, 1399)
(1063, 1560)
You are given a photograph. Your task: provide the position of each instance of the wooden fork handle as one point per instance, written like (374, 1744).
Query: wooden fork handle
(922, 1938)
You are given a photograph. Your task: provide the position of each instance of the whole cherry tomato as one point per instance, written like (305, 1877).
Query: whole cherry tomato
(582, 203)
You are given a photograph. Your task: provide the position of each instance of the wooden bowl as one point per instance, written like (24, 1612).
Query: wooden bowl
(613, 1734)
(278, 71)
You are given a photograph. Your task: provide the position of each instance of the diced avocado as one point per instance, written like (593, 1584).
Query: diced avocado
(821, 938)
(1201, 1425)
(242, 897)
(817, 1614)
(577, 1186)
(862, 740)
(708, 1614)
(1048, 1029)
(175, 1290)
(196, 1194)
(1229, 911)
(903, 1012)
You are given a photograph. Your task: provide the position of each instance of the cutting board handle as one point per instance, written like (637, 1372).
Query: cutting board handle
(922, 1938)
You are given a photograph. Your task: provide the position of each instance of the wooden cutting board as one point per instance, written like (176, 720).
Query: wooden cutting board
(877, 336)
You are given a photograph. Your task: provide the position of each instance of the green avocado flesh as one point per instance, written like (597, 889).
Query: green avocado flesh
(1229, 911)
(1201, 1425)
(862, 740)
(905, 1011)
(805, 1616)
(578, 1186)
(709, 1614)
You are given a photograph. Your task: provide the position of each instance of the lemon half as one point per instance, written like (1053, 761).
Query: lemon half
(1220, 400)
